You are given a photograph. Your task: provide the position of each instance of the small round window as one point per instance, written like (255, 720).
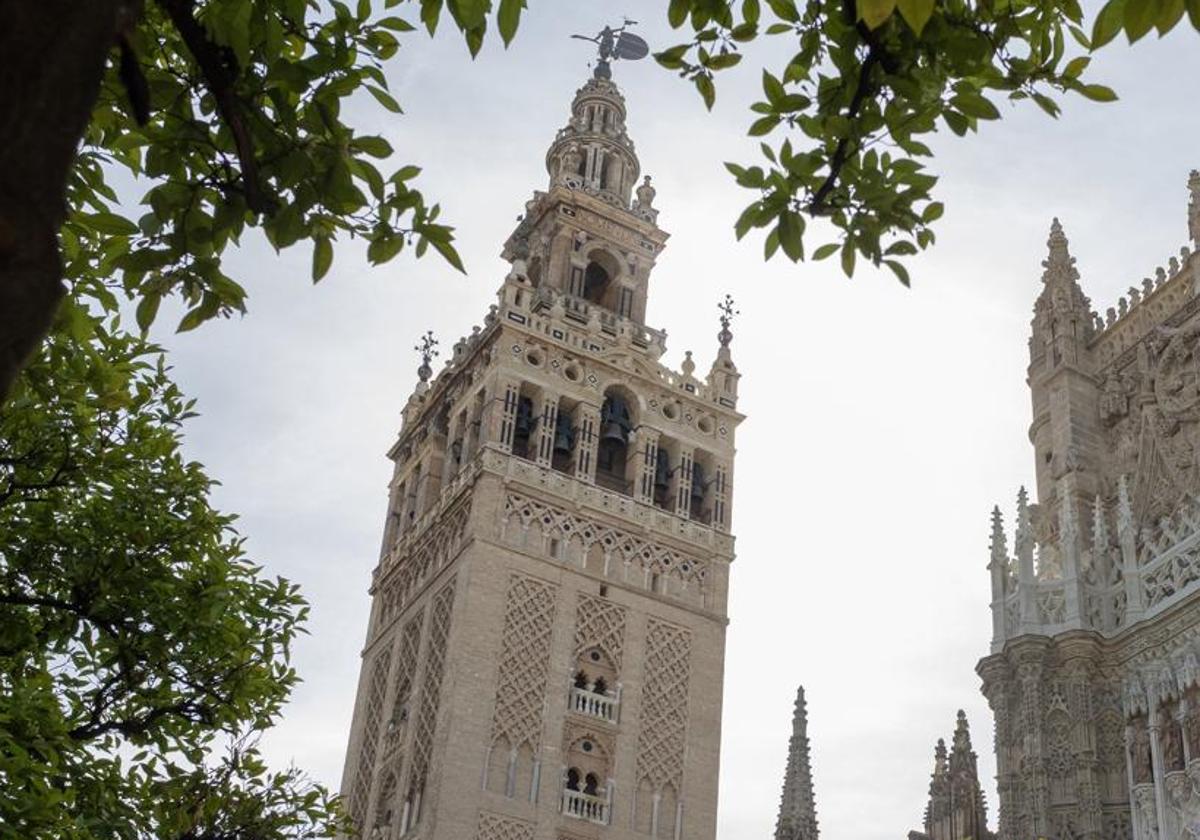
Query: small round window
(573, 372)
(670, 411)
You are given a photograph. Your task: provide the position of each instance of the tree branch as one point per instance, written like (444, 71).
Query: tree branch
(220, 74)
(876, 56)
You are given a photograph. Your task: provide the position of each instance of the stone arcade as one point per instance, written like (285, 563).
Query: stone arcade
(1094, 672)
(546, 643)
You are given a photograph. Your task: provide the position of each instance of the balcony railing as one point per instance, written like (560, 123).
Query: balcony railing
(594, 704)
(584, 806)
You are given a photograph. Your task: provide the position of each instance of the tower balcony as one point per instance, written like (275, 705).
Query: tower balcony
(608, 323)
(586, 806)
(595, 704)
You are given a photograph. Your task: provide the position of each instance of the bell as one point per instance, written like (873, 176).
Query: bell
(614, 421)
(524, 426)
(697, 484)
(564, 435)
(662, 472)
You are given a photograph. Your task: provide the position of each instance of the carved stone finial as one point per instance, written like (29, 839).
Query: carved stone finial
(688, 367)
(428, 350)
(1124, 506)
(1194, 206)
(1059, 265)
(999, 543)
(727, 315)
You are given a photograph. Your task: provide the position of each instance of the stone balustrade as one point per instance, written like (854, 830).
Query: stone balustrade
(584, 806)
(594, 704)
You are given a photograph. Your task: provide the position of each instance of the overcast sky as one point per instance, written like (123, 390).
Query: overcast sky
(883, 423)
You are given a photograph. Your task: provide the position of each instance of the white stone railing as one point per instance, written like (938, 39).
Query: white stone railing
(594, 704)
(584, 806)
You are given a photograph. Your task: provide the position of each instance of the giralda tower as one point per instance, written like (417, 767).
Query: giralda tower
(546, 644)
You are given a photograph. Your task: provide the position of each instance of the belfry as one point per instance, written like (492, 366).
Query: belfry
(545, 650)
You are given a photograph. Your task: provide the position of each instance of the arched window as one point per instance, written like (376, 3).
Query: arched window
(581, 679)
(572, 779)
(591, 784)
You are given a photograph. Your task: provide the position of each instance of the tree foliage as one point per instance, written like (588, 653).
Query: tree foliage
(141, 653)
(846, 117)
(136, 639)
(228, 114)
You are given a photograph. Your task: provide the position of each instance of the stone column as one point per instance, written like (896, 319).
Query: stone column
(588, 417)
(647, 464)
(683, 484)
(720, 517)
(547, 425)
(1160, 799)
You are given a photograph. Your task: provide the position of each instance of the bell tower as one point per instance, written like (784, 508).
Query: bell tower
(545, 652)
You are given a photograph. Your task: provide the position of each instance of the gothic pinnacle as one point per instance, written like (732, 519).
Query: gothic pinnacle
(797, 811)
(999, 544)
(1059, 265)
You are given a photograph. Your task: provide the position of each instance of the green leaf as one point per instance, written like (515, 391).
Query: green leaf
(791, 235)
(322, 258)
(110, 223)
(1098, 93)
(508, 18)
(916, 13)
(1108, 23)
(385, 99)
(147, 310)
(763, 125)
(1172, 11)
(848, 254)
(825, 251)
(900, 271)
(1193, 10)
(975, 105)
(708, 92)
(374, 146)
(1076, 66)
(1047, 104)
(677, 12)
(448, 254)
(396, 24)
(875, 12)
(1140, 16)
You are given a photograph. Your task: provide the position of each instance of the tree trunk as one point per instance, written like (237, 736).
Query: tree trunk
(54, 54)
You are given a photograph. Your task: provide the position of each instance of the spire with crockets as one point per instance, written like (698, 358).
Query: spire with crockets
(797, 812)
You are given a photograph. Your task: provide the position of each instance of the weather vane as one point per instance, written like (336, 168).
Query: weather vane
(727, 314)
(615, 44)
(428, 349)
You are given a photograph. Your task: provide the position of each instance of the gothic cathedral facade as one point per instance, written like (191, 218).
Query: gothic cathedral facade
(545, 653)
(1094, 672)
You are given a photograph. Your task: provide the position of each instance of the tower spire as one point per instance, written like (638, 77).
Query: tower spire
(797, 812)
